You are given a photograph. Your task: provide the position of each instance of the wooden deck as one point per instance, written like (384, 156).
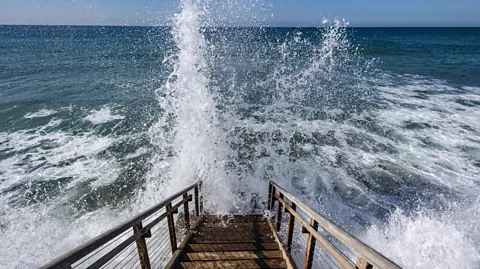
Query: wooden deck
(236, 242)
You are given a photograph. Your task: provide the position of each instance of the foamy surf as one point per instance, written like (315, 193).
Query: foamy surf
(392, 158)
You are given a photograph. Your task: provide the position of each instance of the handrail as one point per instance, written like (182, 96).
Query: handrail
(367, 256)
(68, 259)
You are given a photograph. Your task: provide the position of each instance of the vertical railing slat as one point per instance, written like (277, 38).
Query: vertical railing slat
(279, 213)
(197, 202)
(310, 247)
(272, 198)
(291, 226)
(269, 196)
(141, 246)
(200, 184)
(171, 228)
(186, 212)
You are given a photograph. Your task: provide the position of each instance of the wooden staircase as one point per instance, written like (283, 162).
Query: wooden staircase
(149, 240)
(238, 241)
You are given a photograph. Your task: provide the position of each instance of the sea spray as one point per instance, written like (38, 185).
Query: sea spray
(427, 239)
(300, 106)
(195, 147)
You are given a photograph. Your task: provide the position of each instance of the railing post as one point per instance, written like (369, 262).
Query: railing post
(291, 224)
(310, 246)
(141, 245)
(186, 212)
(171, 228)
(362, 263)
(269, 195)
(272, 198)
(201, 195)
(197, 200)
(279, 213)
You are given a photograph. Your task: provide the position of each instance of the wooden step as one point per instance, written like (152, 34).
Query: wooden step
(215, 240)
(246, 264)
(231, 247)
(221, 233)
(235, 225)
(231, 255)
(235, 229)
(232, 242)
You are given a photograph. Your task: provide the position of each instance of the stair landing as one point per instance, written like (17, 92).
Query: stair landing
(237, 241)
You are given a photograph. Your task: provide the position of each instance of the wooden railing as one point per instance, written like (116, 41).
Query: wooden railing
(141, 240)
(337, 248)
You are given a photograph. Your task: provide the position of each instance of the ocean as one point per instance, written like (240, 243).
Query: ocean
(377, 128)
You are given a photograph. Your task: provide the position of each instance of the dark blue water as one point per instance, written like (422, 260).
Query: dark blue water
(376, 127)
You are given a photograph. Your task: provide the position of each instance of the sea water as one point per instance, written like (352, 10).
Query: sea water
(377, 128)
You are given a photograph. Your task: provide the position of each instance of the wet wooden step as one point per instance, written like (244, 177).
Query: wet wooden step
(217, 240)
(235, 225)
(231, 247)
(235, 229)
(239, 234)
(231, 255)
(232, 242)
(246, 264)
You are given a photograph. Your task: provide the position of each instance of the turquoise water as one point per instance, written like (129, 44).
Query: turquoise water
(376, 127)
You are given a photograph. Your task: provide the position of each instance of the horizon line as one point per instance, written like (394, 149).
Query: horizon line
(258, 26)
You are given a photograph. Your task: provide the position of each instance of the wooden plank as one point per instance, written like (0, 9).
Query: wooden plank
(286, 255)
(230, 225)
(231, 247)
(234, 229)
(247, 264)
(176, 256)
(233, 233)
(208, 240)
(231, 255)
(234, 218)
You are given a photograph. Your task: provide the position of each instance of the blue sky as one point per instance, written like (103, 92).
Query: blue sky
(246, 12)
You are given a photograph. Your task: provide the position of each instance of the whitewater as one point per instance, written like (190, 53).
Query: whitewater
(392, 157)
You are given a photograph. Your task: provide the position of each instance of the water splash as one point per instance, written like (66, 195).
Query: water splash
(427, 240)
(190, 124)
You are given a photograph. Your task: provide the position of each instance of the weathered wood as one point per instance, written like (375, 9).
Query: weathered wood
(236, 219)
(272, 198)
(357, 246)
(141, 246)
(238, 241)
(310, 247)
(270, 195)
(307, 228)
(231, 247)
(230, 255)
(279, 214)
(202, 240)
(363, 264)
(197, 201)
(234, 233)
(177, 254)
(288, 258)
(186, 213)
(98, 242)
(291, 224)
(246, 264)
(171, 229)
(253, 230)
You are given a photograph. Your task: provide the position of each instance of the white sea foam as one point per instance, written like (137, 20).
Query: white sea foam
(40, 114)
(195, 138)
(42, 162)
(195, 142)
(103, 115)
(36, 157)
(423, 240)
